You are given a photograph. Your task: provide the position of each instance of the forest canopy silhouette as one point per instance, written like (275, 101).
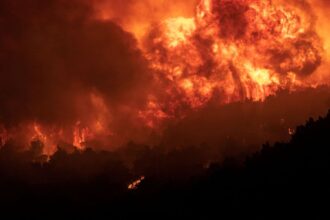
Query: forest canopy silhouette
(289, 175)
(173, 109)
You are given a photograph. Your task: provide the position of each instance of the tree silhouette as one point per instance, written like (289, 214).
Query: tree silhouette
(283, 177)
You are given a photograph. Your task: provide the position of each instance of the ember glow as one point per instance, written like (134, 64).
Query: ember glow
(136, 183)
(98, 85)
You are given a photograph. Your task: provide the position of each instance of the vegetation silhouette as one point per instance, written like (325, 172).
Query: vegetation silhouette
(286, 177)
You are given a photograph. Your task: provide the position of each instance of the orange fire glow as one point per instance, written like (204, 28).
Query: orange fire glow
(136, 183)
(227, 51)
(232, 51)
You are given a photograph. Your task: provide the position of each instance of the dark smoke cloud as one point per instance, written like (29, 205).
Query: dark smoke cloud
(53, 55)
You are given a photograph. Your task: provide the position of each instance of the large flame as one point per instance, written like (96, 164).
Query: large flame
(227, 51)
(232, 51)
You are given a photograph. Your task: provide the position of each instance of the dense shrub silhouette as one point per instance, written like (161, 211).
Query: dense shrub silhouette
(291, 176)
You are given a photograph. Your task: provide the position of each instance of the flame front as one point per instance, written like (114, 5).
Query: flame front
(232, 51)
(227, 51)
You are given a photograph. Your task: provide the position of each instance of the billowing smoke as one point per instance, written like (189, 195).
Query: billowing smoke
(137, 15)
(89, 73)
(61, 67)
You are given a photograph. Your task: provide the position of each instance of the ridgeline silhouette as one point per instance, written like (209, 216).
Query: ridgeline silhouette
(183, 183)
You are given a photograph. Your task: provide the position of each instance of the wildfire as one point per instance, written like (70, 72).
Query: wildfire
(49, 136)
(232, 51)
(177, 31)
(228, 51)
(52, 136)
(80, 135)
(291, 131)
(136, 183)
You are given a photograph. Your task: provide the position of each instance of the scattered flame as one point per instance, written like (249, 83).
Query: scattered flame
(47, 138)
(80, 136)
(153, 115)
(52, 137)
(228, 51)
(136, 183)
(291, 131)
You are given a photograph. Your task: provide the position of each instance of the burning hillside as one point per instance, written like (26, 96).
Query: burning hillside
(99, 74)
(179, 109)
(232, 51)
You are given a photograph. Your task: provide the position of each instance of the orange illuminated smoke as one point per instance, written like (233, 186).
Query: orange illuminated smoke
(228, 51)
(231, 51)
(3, 136)
(80, 136)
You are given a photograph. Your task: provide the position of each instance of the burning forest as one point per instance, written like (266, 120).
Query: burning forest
(155, 92)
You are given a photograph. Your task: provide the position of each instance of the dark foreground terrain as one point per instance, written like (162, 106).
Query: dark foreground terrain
(285, 179)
